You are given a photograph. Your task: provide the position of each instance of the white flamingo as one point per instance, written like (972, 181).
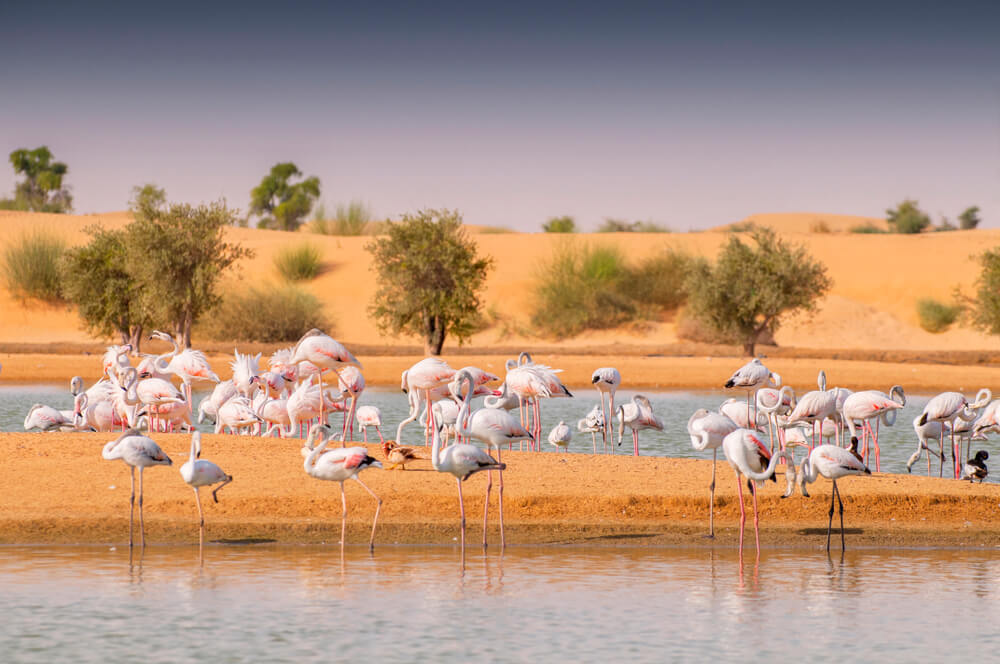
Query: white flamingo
(751, 376)
(707, 430)
(198, 472)
(136, 451)
(592, 423)
(339, 465)
(47, 418)
(370, 416)
(927, 431)
(637, 415)
(872, 404)
(320, 349)
(606, 381)
(950, 406)
(561, 436)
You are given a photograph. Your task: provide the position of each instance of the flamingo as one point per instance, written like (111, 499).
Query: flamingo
(734, 409)
(814, 407)
(841, 393)
(707, 431)
(532, 381)
(925, 432)
(223, 392)
(136, 451)
(156, 391)
(606, 381)
(747, 454)
(325, 352)
(832, 462)
(188, 365)
(493, 427)
(446, 414)
(560, 436)
(339, 465)
(236, 414)
(773, 403)
(351, 383)
(950, 406)
(100, 416)
(275, 413)
(462, 461)
(503, 399)
(48, 418)
(752, 375)
(198, 472)
(975, 468)
(424, 376)
(989, 420)
(115, 360)
(637, 415)
(592, 423)
(246, 373)
(370, 416)
(869, 404)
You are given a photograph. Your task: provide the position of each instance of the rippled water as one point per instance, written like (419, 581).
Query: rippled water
(897, 442)
(294, 604)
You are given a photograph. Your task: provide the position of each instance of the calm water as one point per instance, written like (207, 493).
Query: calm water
(897, 442)
(296, 604)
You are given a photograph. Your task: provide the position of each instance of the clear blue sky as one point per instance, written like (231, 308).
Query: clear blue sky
(688, 116)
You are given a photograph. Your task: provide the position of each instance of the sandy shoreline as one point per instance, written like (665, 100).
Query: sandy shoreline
(58, 490)
(638, 372)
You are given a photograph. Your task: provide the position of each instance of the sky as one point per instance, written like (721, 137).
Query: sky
(690, 115)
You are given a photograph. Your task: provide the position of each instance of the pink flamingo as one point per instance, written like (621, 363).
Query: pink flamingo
(814, 407)
(246, 373)
(137, 451)
(950, 406)
(324, 352)
(424, 376)
(188, 365)
(236, 414)
(339, 465)
(493, 427)
(223, 392)
(155, 392)
(866, 405)
(832, 462)
(115, 360)
(707, 430)
(747, 454)
(351, 383)
(637, 415)
(531, 382)
(47, 418)
(606, 380)
(751, 376)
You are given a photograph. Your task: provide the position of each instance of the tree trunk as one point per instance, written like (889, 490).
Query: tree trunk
(434, 333)
(749, 345)
(135, 338)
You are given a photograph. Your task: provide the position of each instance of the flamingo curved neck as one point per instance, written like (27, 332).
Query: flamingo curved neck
(310, 462)
(770, 466)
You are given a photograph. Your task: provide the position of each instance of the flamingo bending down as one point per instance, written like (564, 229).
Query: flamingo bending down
(832, 462)
(950, 406)
(707, 431)
(925, 432)
(339, 465)
(462, 461)
(606, 380)
(637, 415)
(493, 427)
(872, 404)
(752, 375)
(198, 472)
(236, 414)
(423, 377)
(351, 382)
(592, 423)
(47, 418)
(136, 451)
(747, 454)
(560, 436)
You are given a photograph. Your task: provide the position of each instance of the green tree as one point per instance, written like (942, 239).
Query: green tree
(96, 279)
(178, 255)
(564, 224)
(280, 204)
(983, 310)
(907, 218)
(969, 219)
(429, 278)
(147, 199)
(42, 189)
(750, 288)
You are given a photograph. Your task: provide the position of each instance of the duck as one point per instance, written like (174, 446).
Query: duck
(975, 468)
(398, 455)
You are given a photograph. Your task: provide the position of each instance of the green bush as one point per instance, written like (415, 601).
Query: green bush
(579, 289)
(355, 218)
(867, 229)
(820, 226)
(936, 316)
(298, 263)
(266, 314)
(612, 225)
(31, 266)
(907, 218)
(564, 224)
(656, 284)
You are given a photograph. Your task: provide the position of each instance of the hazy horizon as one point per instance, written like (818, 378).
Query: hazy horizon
(690, 117)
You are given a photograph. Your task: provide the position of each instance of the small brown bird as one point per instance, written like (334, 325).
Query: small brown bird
(398, 456)
(975, 468)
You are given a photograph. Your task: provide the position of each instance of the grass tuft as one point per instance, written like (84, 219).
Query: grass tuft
(266, 314)
(31, 266)
(299, 263)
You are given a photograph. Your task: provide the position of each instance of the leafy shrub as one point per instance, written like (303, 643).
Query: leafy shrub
(564, 224)
(493, 230)
(612, 225)
(656, 284)
(269, 313)
(867, 229)
(355, 218)
(298, 263)
(31, 266)
(820, 226)
(969, 218)
(907, 218)
(742, 227)
(936, 316)
(578, 289)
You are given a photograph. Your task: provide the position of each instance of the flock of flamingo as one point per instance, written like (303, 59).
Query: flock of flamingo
(290, 398)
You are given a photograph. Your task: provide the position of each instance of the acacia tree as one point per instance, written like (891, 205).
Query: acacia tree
(969, 218)
(751, 287)
(429, 278)
(983, 310)
(907, 217)
(42, 189)
(279, 203)
(96, 279)
(177, 255)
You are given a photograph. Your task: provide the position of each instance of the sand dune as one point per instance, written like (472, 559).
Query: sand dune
(872, 305)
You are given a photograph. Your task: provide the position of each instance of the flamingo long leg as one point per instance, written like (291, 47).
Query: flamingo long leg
(378, 508)
(829, 525)
(131, 506)
(843, 545)
(756, 519)
(635, 442)
(743, 515)
(711, 500)
(503, 540)
(486, 506)
(201, 519)
(461, 510)
(343, 516)
(142, 525)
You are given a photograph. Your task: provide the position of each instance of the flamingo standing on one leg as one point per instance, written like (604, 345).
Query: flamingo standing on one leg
(949, 406)
(606, 380)
(832, 462)
(137, 451)
(494, 427)
(198, 472)
(707, 430)
(461, 460)
(750, 376)
(747, 454)
(339, 465)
